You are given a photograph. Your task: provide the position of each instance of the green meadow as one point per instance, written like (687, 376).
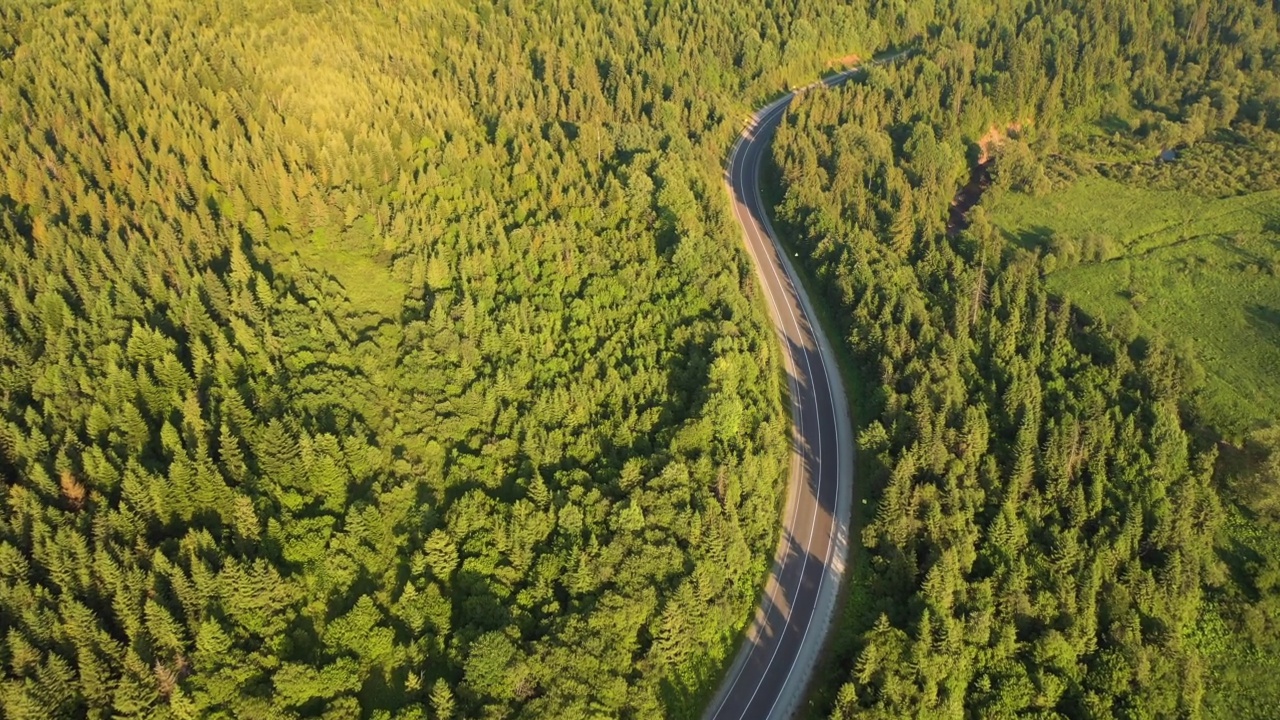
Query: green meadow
(1210, 293)
(1198, 272)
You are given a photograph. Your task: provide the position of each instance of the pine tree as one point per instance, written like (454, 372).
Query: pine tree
(442, 700)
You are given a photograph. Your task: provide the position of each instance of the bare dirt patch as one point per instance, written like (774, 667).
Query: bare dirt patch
(847, 61)
(994, 138)
(979, 176)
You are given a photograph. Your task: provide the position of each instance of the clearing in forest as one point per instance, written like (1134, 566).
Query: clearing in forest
(1199, 272)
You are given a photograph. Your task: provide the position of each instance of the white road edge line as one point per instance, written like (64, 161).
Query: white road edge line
(752, 232)
(754, 229)
(791, 381)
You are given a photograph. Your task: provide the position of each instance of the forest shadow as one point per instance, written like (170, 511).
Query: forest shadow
(1240, 560)
(372, 325)
(688, 372)
(814, 436)
(382, 693)
(1266, 320)
(474, 599)
(329, 411)
(341, 602)
(301, 640)
(666, 236)
(1248, 258)
(1032, 239)
(778, 624)
(1113, 123)
(1229, 136)
(774, 636)
(1272, 225)
(21, 219)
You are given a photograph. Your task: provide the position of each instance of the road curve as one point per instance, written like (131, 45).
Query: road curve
(772, 669)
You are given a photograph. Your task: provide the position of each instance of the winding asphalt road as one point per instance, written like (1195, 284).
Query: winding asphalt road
(772, 669)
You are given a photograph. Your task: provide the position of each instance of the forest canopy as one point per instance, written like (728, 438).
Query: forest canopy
(382, 359)
(1051, 535)
(399, 359)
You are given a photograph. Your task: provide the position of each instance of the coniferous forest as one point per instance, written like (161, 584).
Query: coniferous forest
(1047, 536)
(380, 359)
(400, 360)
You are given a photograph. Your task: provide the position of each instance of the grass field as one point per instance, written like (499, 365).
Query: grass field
(369, 284)
(1211, 293)
(1193, 270)
(1140, 220)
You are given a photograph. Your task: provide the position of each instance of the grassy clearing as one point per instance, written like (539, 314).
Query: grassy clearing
(1196, 271)
(1138, 219)
(1210, 294)
(369, 284)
